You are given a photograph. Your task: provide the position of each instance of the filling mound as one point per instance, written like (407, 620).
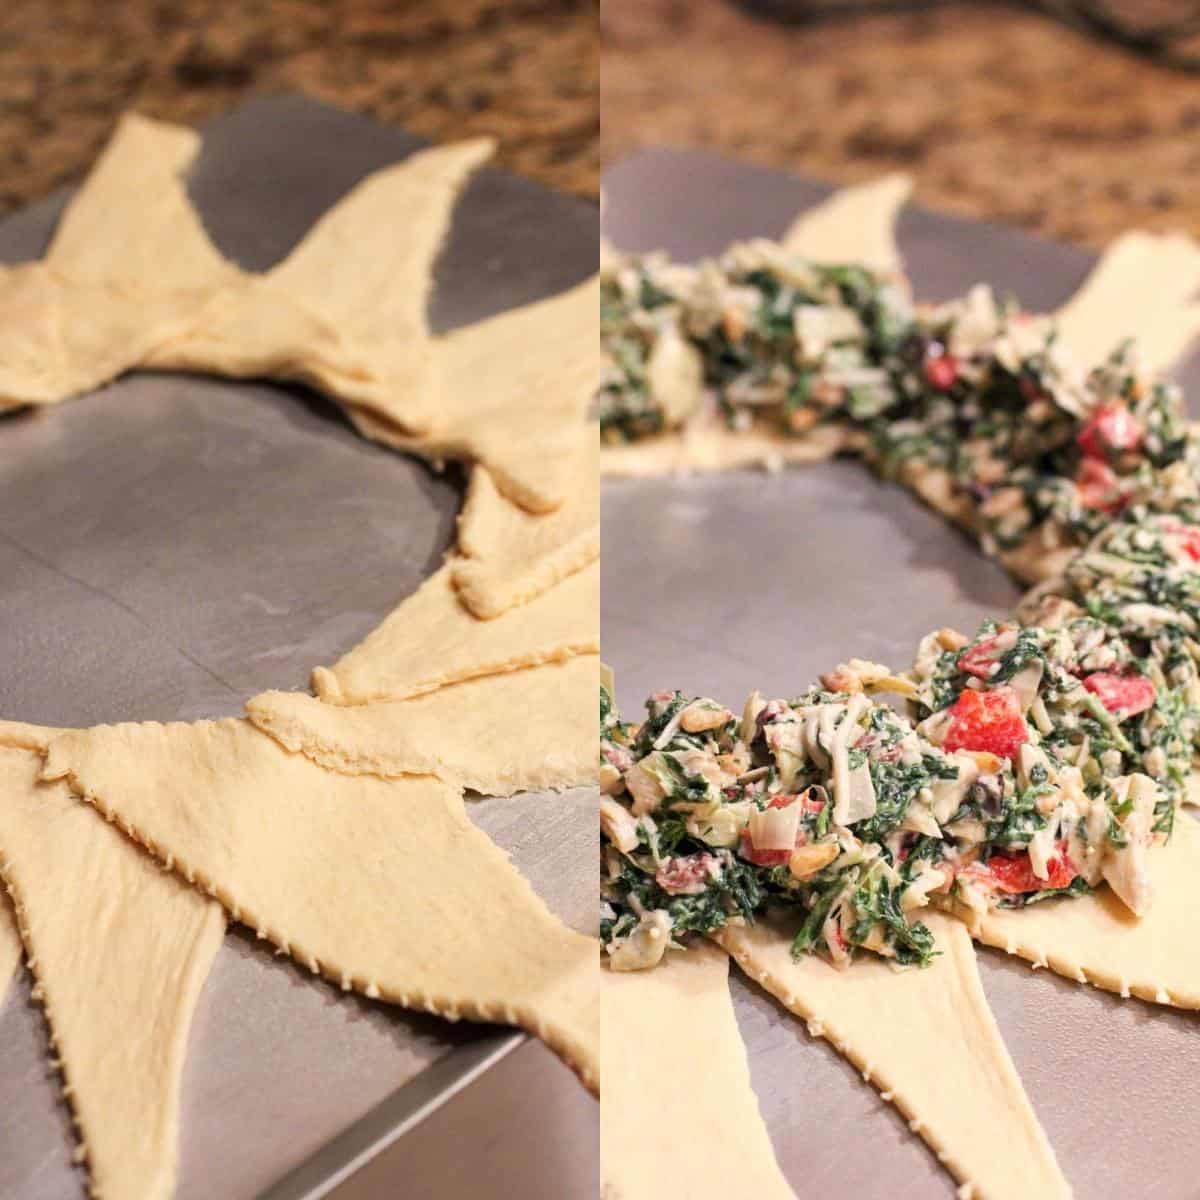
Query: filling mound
(1034, 761)
(974, 399)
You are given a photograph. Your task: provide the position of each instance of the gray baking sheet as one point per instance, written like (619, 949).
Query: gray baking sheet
(722, 584)
(173, 545)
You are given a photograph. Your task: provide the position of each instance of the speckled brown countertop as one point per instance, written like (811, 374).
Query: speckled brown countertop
(998, 113)
(523, 70)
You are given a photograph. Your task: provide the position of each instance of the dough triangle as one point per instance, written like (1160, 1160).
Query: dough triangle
(367, 268)
(508, 556)
(527, 730)
(345, 311)
(521, 412)
(248, 329)
(384, 886)
(1094, 939)
(128, 269)
(938, 1056)
(855, 225)
(61, 337)
(431, 640)
(367, 263)
(674, 1061)
(120, 951)
(132, 221)
(1144, 287)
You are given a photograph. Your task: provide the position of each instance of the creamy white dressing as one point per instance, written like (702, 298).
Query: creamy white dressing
(645, 946)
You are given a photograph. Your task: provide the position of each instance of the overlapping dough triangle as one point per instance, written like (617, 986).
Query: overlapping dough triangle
(345, 311)
(120, 950)
(1144, 287)
(373, 883)
(525, 730)
(674, 1062)
(132, 222)
(927, 1040)
(508, 556)
(119, 278)
(431, 640)
(855, 225)
(59, 338)
(1095, 939)
(133, 280)
(513, 393)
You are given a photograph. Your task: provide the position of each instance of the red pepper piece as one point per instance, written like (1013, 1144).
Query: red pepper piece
(1189, 537)
(1099, 486)
(989, 721)
(941, 372)
(1112, 428)
(1013, 873)
(1123, 695)
(978, 660)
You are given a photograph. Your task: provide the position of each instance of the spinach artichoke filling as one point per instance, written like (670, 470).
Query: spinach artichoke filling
(1029, 443)
(1022, 764)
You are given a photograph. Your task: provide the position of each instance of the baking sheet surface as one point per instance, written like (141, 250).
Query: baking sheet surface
(722, 584)
(175, 544)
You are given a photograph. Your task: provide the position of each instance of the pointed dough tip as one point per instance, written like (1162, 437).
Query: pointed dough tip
(325, 684)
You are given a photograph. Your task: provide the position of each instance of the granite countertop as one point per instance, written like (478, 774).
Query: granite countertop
(522, 70)
(998, 113)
